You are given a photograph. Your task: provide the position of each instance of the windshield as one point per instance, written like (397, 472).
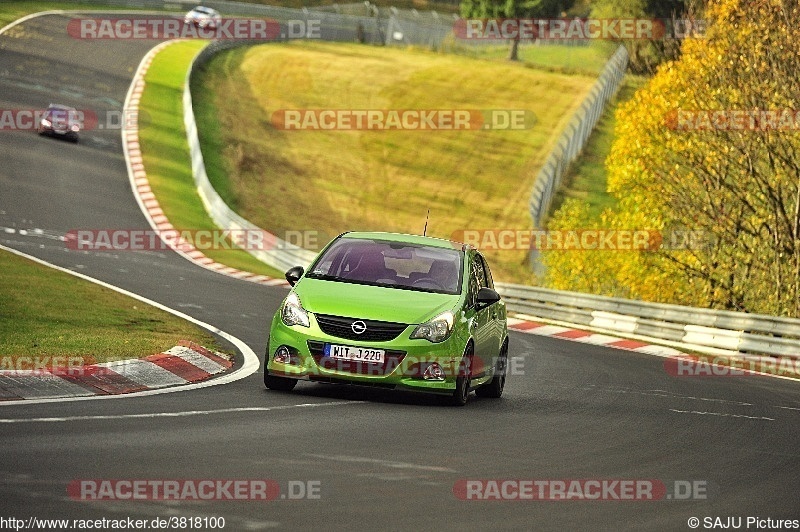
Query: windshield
(391, 264)
(61, 114)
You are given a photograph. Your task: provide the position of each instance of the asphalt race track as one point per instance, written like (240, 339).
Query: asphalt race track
(379, 459)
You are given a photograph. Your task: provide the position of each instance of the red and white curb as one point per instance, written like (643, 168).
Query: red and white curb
(183, 364)
(576, 335)
(676, 363)
(144, 194)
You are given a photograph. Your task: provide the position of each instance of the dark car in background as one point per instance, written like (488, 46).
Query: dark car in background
(61, 121)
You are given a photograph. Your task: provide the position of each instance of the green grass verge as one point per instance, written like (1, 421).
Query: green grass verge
(586, 178)
(44, 312)
(165, 152)
(332, 181)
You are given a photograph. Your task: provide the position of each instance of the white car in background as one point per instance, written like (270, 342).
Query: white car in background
(203, 17)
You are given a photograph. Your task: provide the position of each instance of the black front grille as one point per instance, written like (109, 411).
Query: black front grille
(376, 331)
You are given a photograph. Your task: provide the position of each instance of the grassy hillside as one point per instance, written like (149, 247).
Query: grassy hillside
(166, 153)
(332, 181)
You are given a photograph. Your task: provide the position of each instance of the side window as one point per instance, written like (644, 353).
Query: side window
(474, 283)
(489, 282)
(477, 278)
(480, 272)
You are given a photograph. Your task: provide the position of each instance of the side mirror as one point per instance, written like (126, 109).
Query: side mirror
(486, 296)
(294, 274)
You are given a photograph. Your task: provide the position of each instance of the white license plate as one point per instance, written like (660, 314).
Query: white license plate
(359, 354)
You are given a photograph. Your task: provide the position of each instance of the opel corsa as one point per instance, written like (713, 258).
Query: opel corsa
(393, 311)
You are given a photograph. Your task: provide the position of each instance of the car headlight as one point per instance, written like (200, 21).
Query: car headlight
(436, 330)
(46, 123)
(293, 313)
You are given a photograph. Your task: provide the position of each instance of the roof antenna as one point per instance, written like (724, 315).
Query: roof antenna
(425, 231)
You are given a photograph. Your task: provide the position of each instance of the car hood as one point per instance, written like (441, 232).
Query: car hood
(61, 121)
(371, 302)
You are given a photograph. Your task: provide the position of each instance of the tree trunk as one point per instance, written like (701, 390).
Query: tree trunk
(512, 52)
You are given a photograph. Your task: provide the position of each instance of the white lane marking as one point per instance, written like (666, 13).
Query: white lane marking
(664, 393)
(73, 12)
(186, 413)
(36, 232)
(385, 463)
(28, 17)
(720, 414)
(788, 408)
(251, 360)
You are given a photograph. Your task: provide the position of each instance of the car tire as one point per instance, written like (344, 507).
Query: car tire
(461, 393)
(494, 388)
(278, 384)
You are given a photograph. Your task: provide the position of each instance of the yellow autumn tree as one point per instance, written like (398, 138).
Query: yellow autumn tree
(711, 146)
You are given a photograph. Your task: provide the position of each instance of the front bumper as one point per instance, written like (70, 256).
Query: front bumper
(403, 367)
(57, 132)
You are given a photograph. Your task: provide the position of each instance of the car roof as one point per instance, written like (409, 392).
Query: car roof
(406, 238)
(60, 107)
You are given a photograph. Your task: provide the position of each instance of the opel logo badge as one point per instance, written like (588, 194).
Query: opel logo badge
(359, 327)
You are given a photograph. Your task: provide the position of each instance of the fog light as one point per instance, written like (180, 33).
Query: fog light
(284, 356)
(433, 372)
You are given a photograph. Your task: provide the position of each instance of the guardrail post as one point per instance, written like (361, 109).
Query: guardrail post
(573, 140)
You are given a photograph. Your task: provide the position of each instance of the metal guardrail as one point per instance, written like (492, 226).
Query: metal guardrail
(704, 330)
(368, 24)
(334, 27)
(576, 135)
(282, 255)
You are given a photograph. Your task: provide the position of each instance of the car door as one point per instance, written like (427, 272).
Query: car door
(497, 313)
(481, 326)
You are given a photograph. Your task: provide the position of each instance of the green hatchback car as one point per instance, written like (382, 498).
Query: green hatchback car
(393, 311)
